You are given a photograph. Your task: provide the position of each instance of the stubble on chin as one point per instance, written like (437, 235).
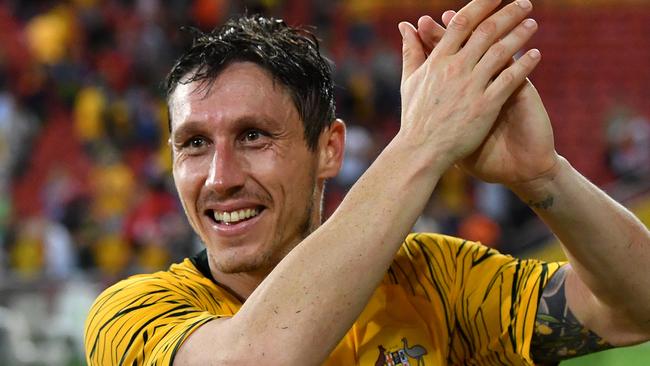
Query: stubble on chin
(268, 258)
(236, 264)
(265, 260)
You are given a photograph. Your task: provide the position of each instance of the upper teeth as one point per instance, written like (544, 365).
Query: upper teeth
(235, 216)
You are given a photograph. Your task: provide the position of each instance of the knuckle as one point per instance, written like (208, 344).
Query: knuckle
(508, 76)
(499, 50)
(459, 22)
(487, 29)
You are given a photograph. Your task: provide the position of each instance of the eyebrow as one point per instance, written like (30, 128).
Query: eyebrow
(194, 126)
(186, 128)
(262, 121)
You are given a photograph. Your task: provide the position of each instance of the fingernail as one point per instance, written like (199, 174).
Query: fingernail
(400, 26)
(524, 4)
(529, 23)
(534, 53)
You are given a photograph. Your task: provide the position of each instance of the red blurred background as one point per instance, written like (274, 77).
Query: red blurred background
(86, 195)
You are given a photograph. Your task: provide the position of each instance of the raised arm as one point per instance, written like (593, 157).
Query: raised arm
(450, 101)
(602, 299)
(606, 287)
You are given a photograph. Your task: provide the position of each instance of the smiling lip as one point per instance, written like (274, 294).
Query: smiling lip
(233, 229)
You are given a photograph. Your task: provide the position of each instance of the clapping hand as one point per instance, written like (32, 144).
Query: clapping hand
(454, 84)
(520, 146)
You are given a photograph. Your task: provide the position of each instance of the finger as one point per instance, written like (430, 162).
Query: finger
(500, 54)
(412, 50)
(446, 17)
(430, 33)
(513, 77)
(495, 27)
(463, 23)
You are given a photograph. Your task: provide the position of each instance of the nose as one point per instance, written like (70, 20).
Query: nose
(226, 174)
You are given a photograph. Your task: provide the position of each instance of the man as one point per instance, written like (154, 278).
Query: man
(254, 138)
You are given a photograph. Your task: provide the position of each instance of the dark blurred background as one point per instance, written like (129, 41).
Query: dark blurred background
(86, 196)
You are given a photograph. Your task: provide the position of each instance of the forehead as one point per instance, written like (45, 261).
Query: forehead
(241, 89)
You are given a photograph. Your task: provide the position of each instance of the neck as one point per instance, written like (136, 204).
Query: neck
(241, 285)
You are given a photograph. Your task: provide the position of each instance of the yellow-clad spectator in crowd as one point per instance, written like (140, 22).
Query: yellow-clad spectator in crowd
(113, 186)
(49, 35)
(89, 107)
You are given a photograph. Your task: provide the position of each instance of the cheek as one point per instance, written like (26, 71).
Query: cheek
(292, 177)
(279, 167)
(188, 180)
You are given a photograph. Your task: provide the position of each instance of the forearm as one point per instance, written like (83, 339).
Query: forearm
(306, 304)
(317, 291)
(608, 247)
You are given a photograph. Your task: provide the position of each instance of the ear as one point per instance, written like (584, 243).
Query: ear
(331, 146)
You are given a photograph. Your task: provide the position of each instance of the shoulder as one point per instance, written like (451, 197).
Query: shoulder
(425, 264)
(464, 253)
(163, 306)
(427, 247)
(451, 260)
(421, 244)
(180, 280)
(444, 258)
(181, 283)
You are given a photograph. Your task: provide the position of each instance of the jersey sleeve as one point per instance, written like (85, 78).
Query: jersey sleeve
(495, 306)
(143, 321)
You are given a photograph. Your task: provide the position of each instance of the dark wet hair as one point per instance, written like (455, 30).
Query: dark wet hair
(290, 54)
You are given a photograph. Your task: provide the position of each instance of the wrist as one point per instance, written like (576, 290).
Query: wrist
(429, 157)
(538, 192)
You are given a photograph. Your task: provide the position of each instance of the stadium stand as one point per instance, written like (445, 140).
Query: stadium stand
(85, 190)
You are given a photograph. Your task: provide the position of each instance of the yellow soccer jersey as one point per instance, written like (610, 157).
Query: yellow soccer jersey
(444, 301)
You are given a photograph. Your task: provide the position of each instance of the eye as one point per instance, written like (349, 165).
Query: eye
(194, 145)
(251, 135)
(196, 142)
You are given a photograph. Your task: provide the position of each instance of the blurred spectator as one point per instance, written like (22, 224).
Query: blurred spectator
(358, 144)
(481, 228)
(59, 190)
(17, 127)
(111, 253)
(155, 228)
(492, 200)
(628, 144)
(208, 13)
(89, 108)
(49, 34)
(82, 76)
(43, 248)
(112, 186)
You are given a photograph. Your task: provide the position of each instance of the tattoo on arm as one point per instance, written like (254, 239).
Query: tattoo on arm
(558, 335)
(543, 204)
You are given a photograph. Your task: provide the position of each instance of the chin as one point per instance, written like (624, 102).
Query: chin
(243, 263)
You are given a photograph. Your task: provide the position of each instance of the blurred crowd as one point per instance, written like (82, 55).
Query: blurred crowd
(84, 161)
(85, 183)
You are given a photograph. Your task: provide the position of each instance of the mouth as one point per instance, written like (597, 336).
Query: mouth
(235, 217)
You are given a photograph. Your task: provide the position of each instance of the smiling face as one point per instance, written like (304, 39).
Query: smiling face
(250, 186)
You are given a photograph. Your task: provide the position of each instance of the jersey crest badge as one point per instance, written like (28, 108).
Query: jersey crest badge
(401, 355)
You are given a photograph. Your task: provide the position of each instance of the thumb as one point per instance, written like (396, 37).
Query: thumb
(412, 51)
